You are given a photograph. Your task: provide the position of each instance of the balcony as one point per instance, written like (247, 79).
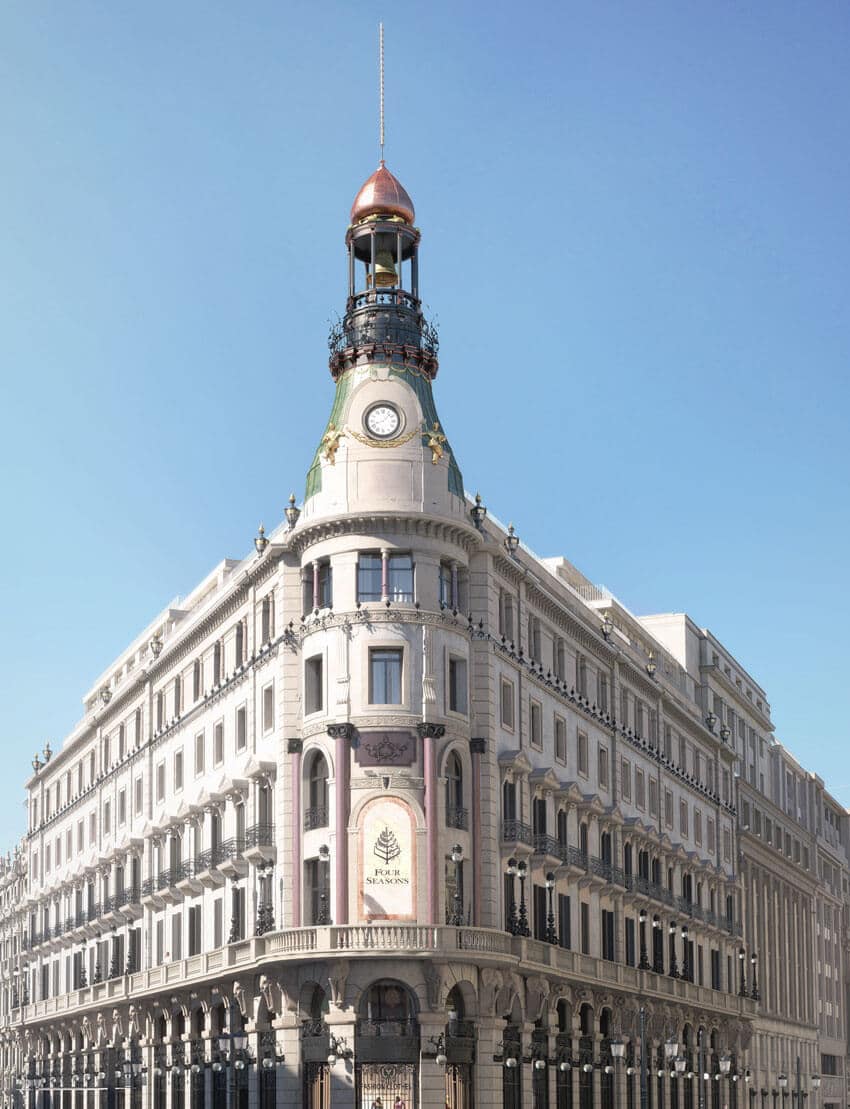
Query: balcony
(206, 867)
(645, 887)
(386, 1040)
(315, 1041)
(457, 817)
(183, 876)
(514, 831)
(315, 817)
(547, 846)
(260, 844)
(574, 858)
(232, 862)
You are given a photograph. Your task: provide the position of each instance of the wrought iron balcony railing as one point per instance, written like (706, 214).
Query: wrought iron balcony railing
(457, 817)
(514, 831)
(315, 817)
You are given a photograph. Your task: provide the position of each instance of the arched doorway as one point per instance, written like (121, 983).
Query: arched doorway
(315, 1045)
(460, 1052)
(386, 1048)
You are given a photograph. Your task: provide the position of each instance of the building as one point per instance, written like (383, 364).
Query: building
(394, 813)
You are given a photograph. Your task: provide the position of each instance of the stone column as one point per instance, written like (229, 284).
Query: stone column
(289, 1073)
(341, 1025)
(297, 869)
(477, 748)
(432, 1078)
(487, 1074)
(341, 735)
(429, 734)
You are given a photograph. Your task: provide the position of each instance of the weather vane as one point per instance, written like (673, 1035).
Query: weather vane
(381, 69)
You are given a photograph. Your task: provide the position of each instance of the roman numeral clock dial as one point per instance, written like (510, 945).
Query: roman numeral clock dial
(383, 420)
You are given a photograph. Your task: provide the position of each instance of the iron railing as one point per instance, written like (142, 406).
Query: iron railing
(514, 831)
(457, 817)
(315, 817)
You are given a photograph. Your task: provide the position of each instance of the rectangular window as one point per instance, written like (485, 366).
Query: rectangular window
(564, 922)
(653, 797)
(640, 789)
(560, 739)
(683, 817)
(581, 675)
(539, 903)
(626, 779)
(325, 597)
(581, 754)
(268, 707)
(585, 928)
(314, 684)
(137, 797)
(176, 937)
(630, 942)
(178, 771)
(122, 807)
(80, 836)
(218, 743)
(506, 615)
(608, 935)
(602, 691)
(199, 754)
(710, 835)
(536, 718)
(603, 767)
(369, 572)
(241, 728)
(195, 930)
(400, 578)
(218, 928)
(160, 782)
(445, 585)
(385, 668)
(668, 807)
(458, 686)
(107, 826)
(698, 827)
(727, 845)
(507, 699)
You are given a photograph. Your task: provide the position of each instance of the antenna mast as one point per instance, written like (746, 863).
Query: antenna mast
(381, 68)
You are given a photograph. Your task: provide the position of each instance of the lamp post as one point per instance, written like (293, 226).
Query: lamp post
(700, 1069)
(456, 918)
(231, 1047)
(674, 969)
(522, 927)
(644, 960)
(513, 922)
(754, 994)
(657, 947)
(323, 916)
(551, 936)
(742, 989)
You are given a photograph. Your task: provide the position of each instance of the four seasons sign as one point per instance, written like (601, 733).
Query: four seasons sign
(387, 868)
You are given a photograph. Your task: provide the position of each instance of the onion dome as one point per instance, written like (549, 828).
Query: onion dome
(382, 194)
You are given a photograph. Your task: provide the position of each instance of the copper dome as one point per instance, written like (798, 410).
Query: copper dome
(382, 194)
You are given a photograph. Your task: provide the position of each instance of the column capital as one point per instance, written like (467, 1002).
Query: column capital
(430, 731)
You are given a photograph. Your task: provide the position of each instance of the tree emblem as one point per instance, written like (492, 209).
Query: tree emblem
(386, 846)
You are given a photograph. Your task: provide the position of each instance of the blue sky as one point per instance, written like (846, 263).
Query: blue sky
(636, 241)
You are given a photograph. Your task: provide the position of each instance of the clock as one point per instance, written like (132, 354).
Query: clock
(382, 420)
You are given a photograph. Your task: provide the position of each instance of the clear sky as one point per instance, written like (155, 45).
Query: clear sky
(636, 241)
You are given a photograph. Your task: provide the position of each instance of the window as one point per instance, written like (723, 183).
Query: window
(122, 806)
(178, 771)
(602, 691)
(107, 826)
(385, 675)
(506, 615)
(218, 928)
(399, 577)
(458, 686)
(640, 789)
(626, 779)
(585, 928)
(608, 935)
(194, 930)
(267, 619)
(445, 586)
(683, 817)
(581, 749)
(602, 760)
(559, 653)
(241, 728)
(314, 692)
(534, 637)
(560, 739)
(581, 675)
(199, 754)
(564, 929)
(160, 710)
(268, 707)
(727, 845)
(507, 706)
(217, 664)
(710, 835)
(668, 807)
(653, 797)
(121, 744)
(325, 586)
(218, 743)
(178, 696)
(107, 753)
(80, 836)
(160, 782)
(137, 797)
(196, 680)
(454, 790)
(698, 827)
(536, 718)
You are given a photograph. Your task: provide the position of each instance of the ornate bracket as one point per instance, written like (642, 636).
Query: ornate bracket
(430, 731)
(342, 731)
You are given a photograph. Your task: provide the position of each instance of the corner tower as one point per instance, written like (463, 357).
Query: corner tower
(384, 447)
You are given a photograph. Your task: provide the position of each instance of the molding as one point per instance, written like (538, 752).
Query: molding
(478, 745)
(294, 746)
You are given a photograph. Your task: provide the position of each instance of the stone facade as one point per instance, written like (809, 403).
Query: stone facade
(393, 813)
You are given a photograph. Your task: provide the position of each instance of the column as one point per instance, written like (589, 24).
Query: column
(297, 868)
(432, 1078)
(341, 736)
(341, 1024)
(289, 1074)
(487, 1074)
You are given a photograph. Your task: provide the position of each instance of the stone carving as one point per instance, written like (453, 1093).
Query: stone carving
(240, 997)
(492, 982)
(337, 979)
(434, 984)
(536, 993)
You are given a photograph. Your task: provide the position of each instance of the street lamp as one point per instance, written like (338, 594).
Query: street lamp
(644, 960)
(657, 947)
(686, 966)
(742, 990)
(754, 964)
(551, 937)
(522, 871)
(671, 931)
(323, 916)
(782, 1080)
(513, 922)
(456, 918)
(725, 1063)
(671, 1048)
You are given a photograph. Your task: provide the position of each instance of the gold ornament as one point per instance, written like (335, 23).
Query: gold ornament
(330, 441)
(435, 443)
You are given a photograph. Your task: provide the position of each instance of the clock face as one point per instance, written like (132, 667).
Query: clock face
(383, 420)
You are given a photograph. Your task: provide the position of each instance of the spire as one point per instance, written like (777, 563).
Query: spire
(381, 79)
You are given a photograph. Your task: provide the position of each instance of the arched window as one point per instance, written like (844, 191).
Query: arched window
(389, 1008)
(316, 813)
(455, 812)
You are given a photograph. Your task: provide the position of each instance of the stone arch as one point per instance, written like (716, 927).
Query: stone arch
(313, 1000)
(388, 995)
(382, 795)
(466, 991)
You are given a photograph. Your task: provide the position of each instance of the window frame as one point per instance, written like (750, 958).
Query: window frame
(389, 653)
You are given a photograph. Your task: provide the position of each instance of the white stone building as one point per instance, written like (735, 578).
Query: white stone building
(392, 813)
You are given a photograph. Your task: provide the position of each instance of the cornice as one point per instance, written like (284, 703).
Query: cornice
(453, 532)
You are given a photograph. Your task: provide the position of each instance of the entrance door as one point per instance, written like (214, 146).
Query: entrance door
(386, 1086)
(458, 1086)
(317, 1086)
